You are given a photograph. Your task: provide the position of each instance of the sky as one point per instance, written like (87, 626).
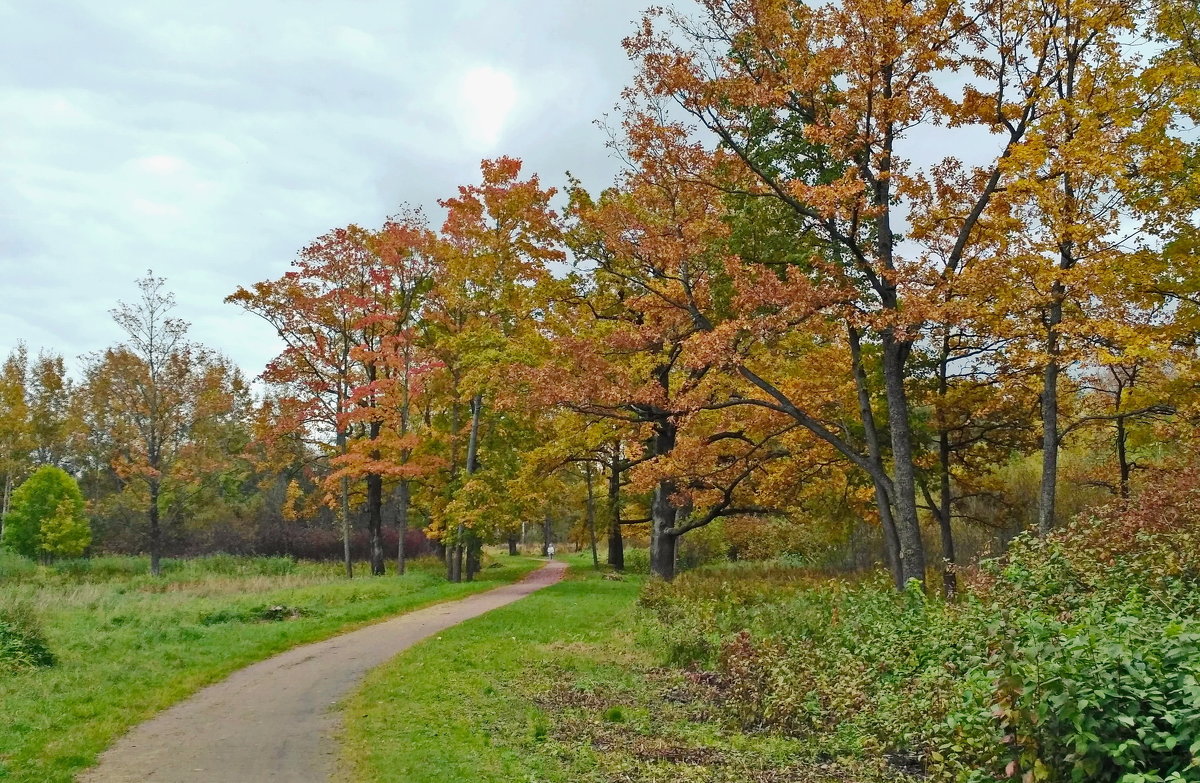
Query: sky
(211, 141)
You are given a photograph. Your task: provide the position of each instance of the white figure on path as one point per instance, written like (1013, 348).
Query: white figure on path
(550, 551)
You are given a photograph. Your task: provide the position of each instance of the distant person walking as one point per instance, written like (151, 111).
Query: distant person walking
(550, 551)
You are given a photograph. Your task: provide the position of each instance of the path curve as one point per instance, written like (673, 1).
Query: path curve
(273, 720)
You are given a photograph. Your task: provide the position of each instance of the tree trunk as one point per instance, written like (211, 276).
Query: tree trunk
(546, 535)
(471, 546)
(949, 572)
(4, 503)
(1048, 489)
(344, 508)
(404, 490)
(1122, 459)
(347, 555)
(456, 560)
(891, 542)
(662, 510)
(616, 543)
(591, 514)
(512, 545)
(662, 539)
(403, 500)
(375, 521)
(155, 532)
(474, 555)
(946, 498)
(1123, 464)
(904, 486)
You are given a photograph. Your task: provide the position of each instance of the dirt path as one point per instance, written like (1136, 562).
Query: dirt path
(273, 721)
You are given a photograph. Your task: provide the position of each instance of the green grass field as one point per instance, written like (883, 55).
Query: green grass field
(128, 645)
(560, 686)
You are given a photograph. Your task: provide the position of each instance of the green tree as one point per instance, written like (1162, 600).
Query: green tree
(46, 518)
(66, 534)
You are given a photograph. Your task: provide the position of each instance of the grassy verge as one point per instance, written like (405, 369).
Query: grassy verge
(561, 686)
(128, 646)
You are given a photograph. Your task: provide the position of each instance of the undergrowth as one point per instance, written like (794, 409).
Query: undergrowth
(1074, 658)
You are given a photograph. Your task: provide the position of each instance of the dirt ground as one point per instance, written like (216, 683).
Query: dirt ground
(274, 720)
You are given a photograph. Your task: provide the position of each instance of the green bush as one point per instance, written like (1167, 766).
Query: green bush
(46, 516)
(637, 560)
(1075, 658)
(22, 645)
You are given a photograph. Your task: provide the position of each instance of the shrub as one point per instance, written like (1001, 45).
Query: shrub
(46, 516)
(1073, 658)
(22, 645)
(637, 560)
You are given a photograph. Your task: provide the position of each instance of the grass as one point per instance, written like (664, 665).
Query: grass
(128, 645)
(560, 686)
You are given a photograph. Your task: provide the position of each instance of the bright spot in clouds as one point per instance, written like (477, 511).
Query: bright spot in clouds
(160, 164)
(486, 98)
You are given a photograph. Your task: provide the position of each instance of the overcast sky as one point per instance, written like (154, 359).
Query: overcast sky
(210, 141)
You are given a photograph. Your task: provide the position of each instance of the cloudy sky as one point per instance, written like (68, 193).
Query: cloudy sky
(210, 141)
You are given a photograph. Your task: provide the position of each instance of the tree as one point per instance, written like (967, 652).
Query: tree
(47, 519)
(16, 428)
(492, 254)
(631, 342)
(392, 371)
(51, 409)
(151, 399)
(313, 309)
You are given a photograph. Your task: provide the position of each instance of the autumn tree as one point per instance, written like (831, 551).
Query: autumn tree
(52, 409)
(16, 428)
(630, 348)
(393, 367)
(314, 310)
(151, 397)
(494, 249)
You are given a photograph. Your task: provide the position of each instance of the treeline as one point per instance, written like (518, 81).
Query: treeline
(789, 317)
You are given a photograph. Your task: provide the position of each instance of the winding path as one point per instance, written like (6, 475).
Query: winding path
(273, 721)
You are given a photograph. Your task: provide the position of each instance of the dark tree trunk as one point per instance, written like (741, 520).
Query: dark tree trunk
(1051, 439)
(591, 514)
(663, 512)
(616, 543)
(1123, 458)
(404, 490)
(866, 413)
(946, 498)
(4, 503)
(344, 508)
(546, 531)
(155, 532)
(1048, 489)
(904, 486)
(470, 545)
(403, 501)
(663, 555)
(512, 544)
(474, 555)
(375, 521)
(949, 567)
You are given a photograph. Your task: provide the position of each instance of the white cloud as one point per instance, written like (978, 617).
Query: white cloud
(211, 141)
(486, 98)
(160, 164)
